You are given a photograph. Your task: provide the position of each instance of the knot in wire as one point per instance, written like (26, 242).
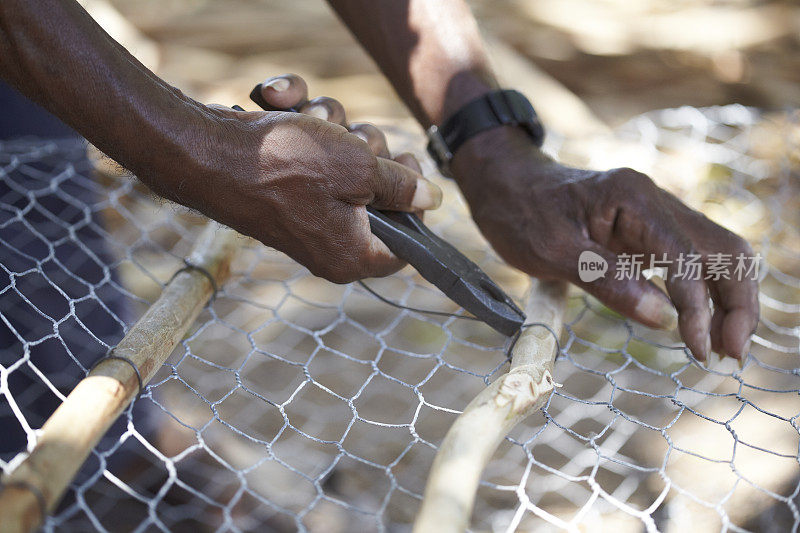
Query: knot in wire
(33, 489)
(188, 265)
(111, 355)
(544, 325)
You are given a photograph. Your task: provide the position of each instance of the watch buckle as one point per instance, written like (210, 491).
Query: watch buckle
(439, 150)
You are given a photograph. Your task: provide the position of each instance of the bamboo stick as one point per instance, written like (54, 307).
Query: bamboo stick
(476, 433)
(77, 425)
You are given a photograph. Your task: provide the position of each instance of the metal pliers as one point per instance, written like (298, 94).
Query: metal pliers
(438, 261)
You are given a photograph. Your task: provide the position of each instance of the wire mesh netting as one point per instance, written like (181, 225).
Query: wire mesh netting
(299, 404)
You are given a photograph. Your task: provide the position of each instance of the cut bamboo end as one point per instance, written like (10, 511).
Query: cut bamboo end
(69, 435)
(474, 436)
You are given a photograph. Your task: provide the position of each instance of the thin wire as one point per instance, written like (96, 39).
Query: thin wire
(295, 387)
(188, 265)
(416, 310)
(522, 328)
(514, 338)
(111, 356)
(33, 489)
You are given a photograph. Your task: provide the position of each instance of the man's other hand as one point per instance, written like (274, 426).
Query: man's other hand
(540, 216)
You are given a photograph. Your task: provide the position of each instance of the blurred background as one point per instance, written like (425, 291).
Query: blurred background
(620, 57)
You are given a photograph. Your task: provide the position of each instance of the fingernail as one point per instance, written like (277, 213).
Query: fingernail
(654, 306)
(277, 84)
(708, 351)
(745, 349)
(744, 353)
(427, 195)
(318, 111)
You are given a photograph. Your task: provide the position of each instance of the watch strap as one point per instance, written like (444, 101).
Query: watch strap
(493, 109)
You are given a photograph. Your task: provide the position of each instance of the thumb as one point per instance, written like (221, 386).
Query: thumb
(400, 188)
(633, 296)
(285, 91)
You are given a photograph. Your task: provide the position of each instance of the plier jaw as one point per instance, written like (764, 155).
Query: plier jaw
(443, 265)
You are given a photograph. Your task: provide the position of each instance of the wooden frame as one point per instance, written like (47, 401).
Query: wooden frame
(476, 433)
(66, 439)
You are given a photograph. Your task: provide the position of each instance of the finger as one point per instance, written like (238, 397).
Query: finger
(372, 136)
(649, 229)
(631, 296)
(379, 261)
(736, 332)
(352, 252)
(285, 91)
(736, 310)
(399, 188)
(736, 303)
(717, 320)
(325, 108)
(408, 159)
(374, 259)
(688, 292)
(691, 299)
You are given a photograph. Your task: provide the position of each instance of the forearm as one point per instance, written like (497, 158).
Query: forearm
(431, 52)
(56, 54)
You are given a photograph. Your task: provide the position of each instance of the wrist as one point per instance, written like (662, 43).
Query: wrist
(193, 152)
(163, 146)
(226, 151)
(480, 156)
(489, 112)
(462, 89)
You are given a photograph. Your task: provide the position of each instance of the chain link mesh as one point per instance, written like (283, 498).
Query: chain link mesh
(299, 404)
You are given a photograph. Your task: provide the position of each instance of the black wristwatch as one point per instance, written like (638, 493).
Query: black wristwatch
(497, 108)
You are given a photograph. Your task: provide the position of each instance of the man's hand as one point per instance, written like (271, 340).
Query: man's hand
(540, 216)
(301, 184)
(293, 181)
